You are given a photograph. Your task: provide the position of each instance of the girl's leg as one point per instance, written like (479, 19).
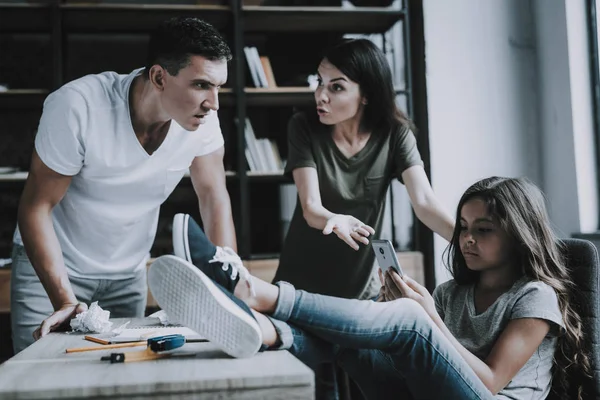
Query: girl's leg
(419, 353)
(374, 373)
(311, 350)
(372, 370)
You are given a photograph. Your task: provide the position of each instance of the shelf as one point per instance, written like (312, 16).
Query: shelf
(22, 98)
(286, 96)
(258, 176)
(263, 256)
(253, 176)
(281, 96)
(268, 177)
(25, 18)
(136, 18)
(320, 19)
(20, 176)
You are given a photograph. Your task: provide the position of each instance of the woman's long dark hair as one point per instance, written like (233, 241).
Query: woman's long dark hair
(364, 63)
(520, 208)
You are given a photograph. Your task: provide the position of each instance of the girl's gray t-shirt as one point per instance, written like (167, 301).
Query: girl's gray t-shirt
(478, 332)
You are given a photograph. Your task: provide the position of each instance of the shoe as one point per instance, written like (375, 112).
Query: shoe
(221, 264)
(192, 299)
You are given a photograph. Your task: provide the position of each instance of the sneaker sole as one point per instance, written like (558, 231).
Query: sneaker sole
(189, 297)
(181, 246)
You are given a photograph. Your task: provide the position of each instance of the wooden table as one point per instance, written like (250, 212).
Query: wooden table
(45, 371)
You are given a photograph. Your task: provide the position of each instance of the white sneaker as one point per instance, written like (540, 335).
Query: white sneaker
(194, 300)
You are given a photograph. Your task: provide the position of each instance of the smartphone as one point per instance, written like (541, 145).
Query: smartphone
(386, 255)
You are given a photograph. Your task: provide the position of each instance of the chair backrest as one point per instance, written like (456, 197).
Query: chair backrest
(582, 259)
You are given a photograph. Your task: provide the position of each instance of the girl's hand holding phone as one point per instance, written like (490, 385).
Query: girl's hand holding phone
(397, 287)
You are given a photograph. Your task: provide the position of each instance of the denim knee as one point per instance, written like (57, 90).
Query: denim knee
(411, 312)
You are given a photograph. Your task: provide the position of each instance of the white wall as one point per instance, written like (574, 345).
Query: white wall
(569, 173)
(509, 93)
(482, 96)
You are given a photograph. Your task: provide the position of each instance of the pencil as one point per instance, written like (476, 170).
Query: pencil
(95, 340)
(107, 346)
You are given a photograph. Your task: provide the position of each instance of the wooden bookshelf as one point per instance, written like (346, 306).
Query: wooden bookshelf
(274, 30)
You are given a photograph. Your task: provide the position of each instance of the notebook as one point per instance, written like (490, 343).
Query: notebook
(141, 333)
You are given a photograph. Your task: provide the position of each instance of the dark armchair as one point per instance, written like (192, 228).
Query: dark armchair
(582, 259)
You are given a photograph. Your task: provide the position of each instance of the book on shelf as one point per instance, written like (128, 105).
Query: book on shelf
(262, 155)
(252, 66)
(260, 68)
(262, 77)
(288, 195)
(255, 159)
(266, 65)
(251, 164)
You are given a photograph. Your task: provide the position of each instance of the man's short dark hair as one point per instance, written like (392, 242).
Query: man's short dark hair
(178, 38)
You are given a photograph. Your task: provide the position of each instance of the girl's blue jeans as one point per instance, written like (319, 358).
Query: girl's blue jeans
(389, 349)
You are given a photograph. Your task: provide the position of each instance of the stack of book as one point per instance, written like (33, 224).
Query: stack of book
(260, 69)
(262, 155)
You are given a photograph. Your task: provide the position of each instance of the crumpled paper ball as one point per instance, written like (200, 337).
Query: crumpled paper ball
(95, 319)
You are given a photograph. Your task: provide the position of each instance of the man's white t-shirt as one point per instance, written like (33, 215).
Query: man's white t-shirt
(107, 220)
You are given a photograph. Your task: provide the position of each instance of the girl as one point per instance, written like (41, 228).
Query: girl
(343, 157)
(503, 328)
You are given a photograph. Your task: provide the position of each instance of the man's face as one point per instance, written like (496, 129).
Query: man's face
(190, 96)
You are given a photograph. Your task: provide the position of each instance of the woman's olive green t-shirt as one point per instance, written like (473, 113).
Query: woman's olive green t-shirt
(355, 186)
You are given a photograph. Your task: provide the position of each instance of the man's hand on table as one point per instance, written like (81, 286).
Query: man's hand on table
(58, 317)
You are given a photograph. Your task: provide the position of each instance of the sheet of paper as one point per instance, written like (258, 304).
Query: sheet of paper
(136, 334)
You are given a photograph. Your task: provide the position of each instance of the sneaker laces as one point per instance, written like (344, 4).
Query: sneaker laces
(229, 258)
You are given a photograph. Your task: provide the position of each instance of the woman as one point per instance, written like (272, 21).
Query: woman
(343, 159)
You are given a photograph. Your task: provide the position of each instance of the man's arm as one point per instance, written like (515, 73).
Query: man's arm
(208, 177)
(44, 188)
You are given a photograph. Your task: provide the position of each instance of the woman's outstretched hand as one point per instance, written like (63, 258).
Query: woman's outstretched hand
(397, 287)
(351, 230)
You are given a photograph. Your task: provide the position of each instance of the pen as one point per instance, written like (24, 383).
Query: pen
(135, 356)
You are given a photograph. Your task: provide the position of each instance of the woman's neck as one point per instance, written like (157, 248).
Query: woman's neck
(350, 132)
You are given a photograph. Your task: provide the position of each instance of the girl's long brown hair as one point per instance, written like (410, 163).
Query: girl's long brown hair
(520, 207)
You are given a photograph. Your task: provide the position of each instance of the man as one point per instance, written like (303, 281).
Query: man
(109, 150)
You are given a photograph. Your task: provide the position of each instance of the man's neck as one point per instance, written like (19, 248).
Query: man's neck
(149, 123)
(146, 114)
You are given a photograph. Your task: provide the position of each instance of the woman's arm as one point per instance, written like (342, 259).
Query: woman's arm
(307, 182)
(346, 227)
(426, 205)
